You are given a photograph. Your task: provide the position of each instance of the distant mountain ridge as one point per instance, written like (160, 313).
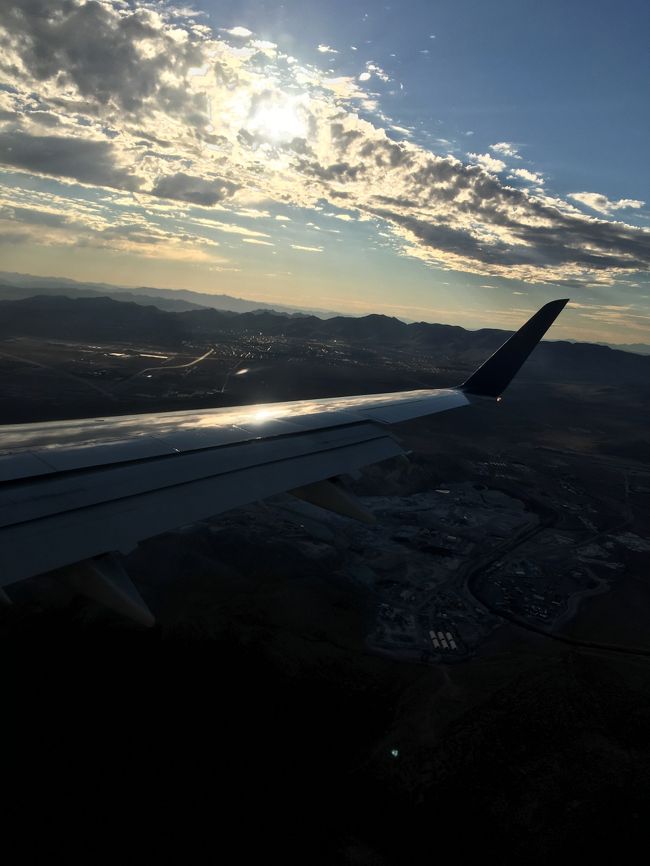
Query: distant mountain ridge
(637, 348)
(102, 319)
(14, 286)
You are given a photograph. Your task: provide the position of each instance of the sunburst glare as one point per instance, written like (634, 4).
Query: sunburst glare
(278, 118)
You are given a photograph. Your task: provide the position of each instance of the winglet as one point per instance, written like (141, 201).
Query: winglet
(493, 377)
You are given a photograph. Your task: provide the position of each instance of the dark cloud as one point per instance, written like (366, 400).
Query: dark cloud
(196, 190)
(32, 216)
(342, 138)
(560, 240)
(88, 45)
(340, 172)
(460, 211)
(12, 236)
(83, 159)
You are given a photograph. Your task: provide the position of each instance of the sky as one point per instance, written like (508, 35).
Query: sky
(440, 160)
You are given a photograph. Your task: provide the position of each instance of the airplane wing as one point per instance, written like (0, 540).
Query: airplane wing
(73, 494)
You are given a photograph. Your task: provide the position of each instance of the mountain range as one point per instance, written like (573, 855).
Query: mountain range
(14, 286)
(103, 319)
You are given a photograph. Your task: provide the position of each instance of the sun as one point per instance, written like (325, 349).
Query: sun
(278, 118)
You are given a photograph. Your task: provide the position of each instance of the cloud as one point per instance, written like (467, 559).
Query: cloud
(505, 148)
(107, 56)
(527, 176)
(228, 228)
(374, 69)
(596, 201)
(238, 32)
(306, 249)
(98, 220)
(487, 162)
(153, 104)
(253, 213)
(256, 241)
(85, 159)
(32, 216)
(91, 230)
(196, 190)
(325, 49)
(270, 49)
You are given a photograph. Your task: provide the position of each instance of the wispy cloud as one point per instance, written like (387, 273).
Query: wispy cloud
(533, 177)
(596, 201)
(68, 219)
(374, 69)
(257, 241)
(487, 162)
(506, 148)
(238, 32)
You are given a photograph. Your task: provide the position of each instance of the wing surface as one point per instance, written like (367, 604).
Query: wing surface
(74, 490)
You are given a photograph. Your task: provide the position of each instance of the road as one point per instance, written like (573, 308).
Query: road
(164, 367)
(475, 569)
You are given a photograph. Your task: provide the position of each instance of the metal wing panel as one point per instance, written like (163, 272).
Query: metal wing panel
(422, 403)
(72, 490)
(65, 445)
(72, 534)
(75, 489)
(22, 465)
(79, 457)
(67, 491)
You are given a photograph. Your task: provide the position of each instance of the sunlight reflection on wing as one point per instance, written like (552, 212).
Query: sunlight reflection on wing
(54, 435)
